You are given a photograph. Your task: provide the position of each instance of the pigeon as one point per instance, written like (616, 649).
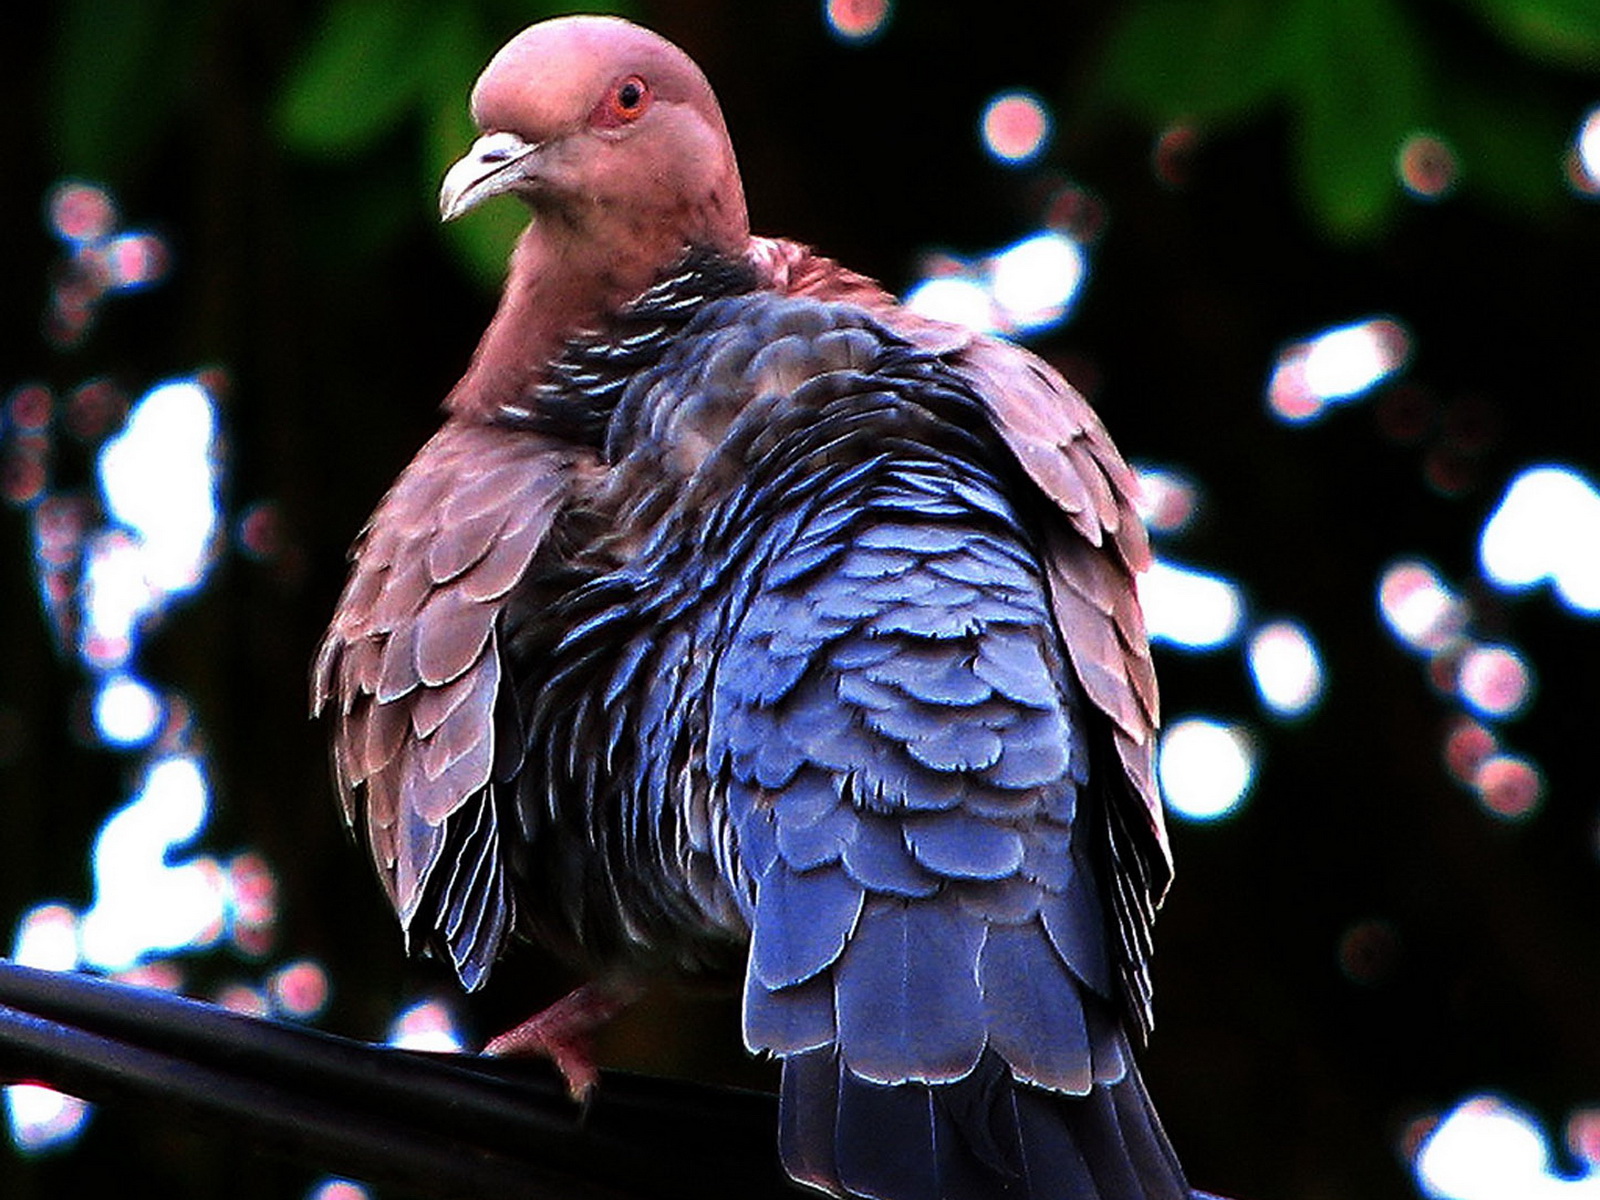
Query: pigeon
(738, 617)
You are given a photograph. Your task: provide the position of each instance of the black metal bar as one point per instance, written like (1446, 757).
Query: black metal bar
(446, 1125)
(281, 1121)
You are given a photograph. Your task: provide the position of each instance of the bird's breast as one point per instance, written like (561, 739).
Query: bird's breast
(761, 409)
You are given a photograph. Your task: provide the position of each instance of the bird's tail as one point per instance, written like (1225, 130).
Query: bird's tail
(985, 1137)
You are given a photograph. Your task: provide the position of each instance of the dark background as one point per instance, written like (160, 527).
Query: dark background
(290, 153)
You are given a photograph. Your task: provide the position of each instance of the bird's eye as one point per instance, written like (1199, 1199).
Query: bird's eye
(629, 99)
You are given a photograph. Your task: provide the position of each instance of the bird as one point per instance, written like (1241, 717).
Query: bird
(737, 614)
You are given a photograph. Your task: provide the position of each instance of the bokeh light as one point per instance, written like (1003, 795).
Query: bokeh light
(253, 898)
(1015, 127)
(1547, 526)
(1035, 281)
(127, 711)
(132, 261)
(300, 989)
(1024, 288)
(30, 408)
(117, 594)
(1172, 157)
(1583, 1136)
(1168, 500)
(244, 999)
(92, 409)
(80, 212)
(1191, 609)
(59, 524)
(857, 21)
(1205, 768)
(1335, 366)
(107, 566)
(1427, 166)
(1418, 607)
(162, 974)
(1076, 212)
(1467, 745)
(1508, 787)
(38, 1117)
(147, 900)
(47, 938)
(41, 1119)
(1487, 1149)
(1286, 668)
(1586, 153)
(1495, 681)
(958, 299)
(159, 477)
(426, 1025)
(338, 1189)
(25, 422)
(100, 262)
(259, 531)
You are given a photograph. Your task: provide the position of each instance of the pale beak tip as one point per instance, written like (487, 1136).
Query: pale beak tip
(493, 165)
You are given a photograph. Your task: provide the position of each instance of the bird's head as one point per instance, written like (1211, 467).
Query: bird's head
(606, 129)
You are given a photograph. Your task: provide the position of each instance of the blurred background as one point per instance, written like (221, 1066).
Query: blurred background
(1328, 269)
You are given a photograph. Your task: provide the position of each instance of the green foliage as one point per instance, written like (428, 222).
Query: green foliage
(1201, 60)
(1511, 145)
(1559, 31)
(1361, 79)
(361, 74)
(1357, 79)
(374, 65)
(122, 73)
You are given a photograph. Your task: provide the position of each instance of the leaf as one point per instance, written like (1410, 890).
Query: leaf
(483, 238)
(1559, 31)
(1206, 60)
(376, 64)
(1361, 87)
(1510, 146)
(456, 51)
(358, 77)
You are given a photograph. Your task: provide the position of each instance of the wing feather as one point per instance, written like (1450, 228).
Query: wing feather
(410, 665)
(1059, 441)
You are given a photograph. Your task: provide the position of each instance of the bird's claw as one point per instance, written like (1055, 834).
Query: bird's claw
(564, 1033)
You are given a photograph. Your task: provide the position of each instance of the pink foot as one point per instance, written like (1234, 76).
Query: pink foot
(564, 1032)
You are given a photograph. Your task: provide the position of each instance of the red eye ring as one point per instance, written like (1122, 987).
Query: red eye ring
(628, 100)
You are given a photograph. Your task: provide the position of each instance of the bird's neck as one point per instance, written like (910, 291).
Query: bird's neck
(563, 281)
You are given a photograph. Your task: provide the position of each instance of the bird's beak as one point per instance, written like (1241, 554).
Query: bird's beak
(496, 163)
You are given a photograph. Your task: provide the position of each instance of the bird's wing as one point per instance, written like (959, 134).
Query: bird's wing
(909, 766)
(1091, 559)
(1060, 442)
(411, 670)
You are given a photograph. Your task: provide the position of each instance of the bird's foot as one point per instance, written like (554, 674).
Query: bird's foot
(564, 1032)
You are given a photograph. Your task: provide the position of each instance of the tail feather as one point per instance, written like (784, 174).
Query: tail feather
(807, 1111)
(1155, 1158)
(985, 1137)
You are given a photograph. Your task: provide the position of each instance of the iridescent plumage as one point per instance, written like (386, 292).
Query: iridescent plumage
(762, 610)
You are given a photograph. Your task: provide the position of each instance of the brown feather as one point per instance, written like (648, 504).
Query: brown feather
(467, 732)
(386, 726)
(461, 542)
(451, 631)
(432, 705)
(399, 674)
(410, 656)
